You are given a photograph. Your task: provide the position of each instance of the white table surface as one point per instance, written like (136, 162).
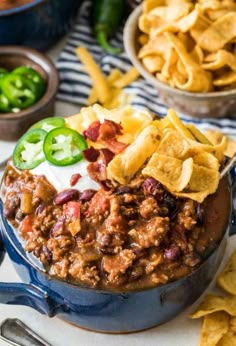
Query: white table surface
(181, 331)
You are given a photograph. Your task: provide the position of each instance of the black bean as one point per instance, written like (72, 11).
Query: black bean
(66, 196)
(169, 201)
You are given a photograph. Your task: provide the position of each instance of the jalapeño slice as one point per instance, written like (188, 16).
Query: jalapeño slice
(34, 76)
(49, 124)
(28, 152)
(20, 91)
(63, 146)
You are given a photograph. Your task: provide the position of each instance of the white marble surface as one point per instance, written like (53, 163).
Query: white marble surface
(180, 331)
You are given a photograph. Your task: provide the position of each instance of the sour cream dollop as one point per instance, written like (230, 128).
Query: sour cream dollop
(60, 176)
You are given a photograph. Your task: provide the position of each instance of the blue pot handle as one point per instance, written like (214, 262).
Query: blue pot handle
(28, 294)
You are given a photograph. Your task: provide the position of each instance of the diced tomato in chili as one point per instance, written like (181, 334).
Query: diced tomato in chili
(72, 210)
(26, 226)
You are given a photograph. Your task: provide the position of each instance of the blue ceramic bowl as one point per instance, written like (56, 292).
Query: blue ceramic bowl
(101, 310)
(38, 24)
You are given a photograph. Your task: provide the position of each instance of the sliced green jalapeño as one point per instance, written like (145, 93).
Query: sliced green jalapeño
(28, 152)
(20, 91)
(49, 124)
(32, 75)
(63, 146)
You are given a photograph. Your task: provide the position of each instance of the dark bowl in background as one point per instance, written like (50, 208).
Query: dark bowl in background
(13, 125)
(38, 24)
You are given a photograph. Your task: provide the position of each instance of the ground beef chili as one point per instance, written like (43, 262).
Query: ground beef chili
(121, 237)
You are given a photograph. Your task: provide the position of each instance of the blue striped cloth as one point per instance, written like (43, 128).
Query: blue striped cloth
(75, 84)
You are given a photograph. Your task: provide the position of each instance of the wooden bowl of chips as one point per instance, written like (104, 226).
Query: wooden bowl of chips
(199, 93)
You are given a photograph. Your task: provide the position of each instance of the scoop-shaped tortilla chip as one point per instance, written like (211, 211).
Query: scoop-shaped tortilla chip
(198, 80)
(174, 145)
(202, 23)
(229, 339)
(218, 149)
(212, 303)
(214, 326)
(206, 160)
(186, 23)
(173, 173)
(179, 126)
(226, 79)
(218, 33)
(220, 59)
(167, 68)
(203, 179)
(197, 54)
(148, 5)
(153, 63)
(227, 278)
(172, 12)
(198, 135)
(124, 165)
(159, 45)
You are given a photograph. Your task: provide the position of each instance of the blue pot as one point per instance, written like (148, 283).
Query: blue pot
(38, 24)
(104, 310)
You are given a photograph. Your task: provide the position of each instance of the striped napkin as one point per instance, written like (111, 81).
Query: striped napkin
(75, 84)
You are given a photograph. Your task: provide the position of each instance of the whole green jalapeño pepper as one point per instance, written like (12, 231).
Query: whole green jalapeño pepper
(20, 91)
(28, 152)
(32, 75)
(64, 146)
(106, 17)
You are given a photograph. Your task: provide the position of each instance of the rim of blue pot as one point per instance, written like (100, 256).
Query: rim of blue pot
(22, 8)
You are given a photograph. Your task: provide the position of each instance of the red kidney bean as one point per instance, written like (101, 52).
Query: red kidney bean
(86, 195)
(66, 196)
(172, 253)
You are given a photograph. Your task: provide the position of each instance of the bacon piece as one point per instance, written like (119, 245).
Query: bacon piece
(92, 132)
(91, 154)
(107, 155)
(109, 129)
(75, 178)
(114, 146)
(97, 171)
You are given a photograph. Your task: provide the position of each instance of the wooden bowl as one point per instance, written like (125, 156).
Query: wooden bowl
(13, 125)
